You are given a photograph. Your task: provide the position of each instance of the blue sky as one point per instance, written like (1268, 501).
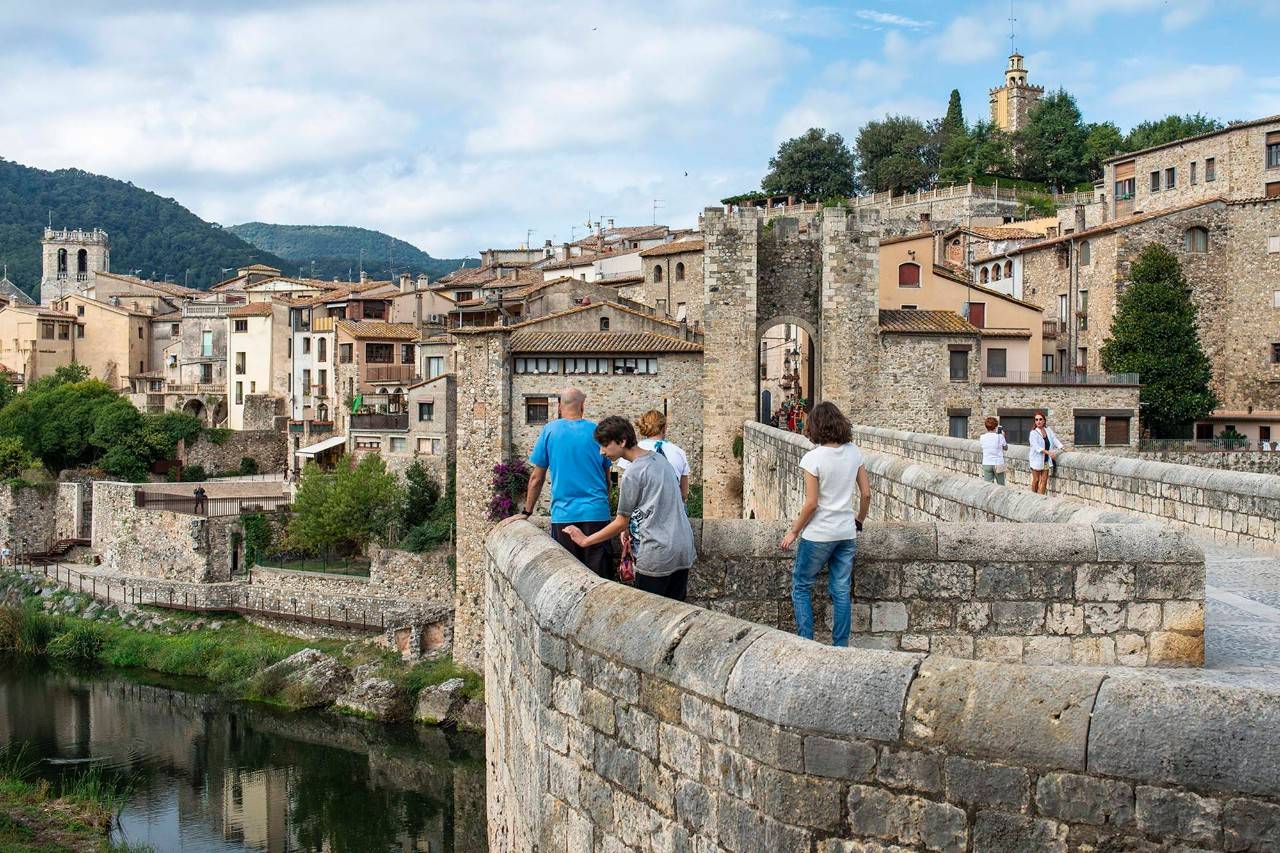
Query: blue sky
(458, 126)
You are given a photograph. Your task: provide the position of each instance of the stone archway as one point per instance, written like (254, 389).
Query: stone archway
(806, 345)
(195, 408)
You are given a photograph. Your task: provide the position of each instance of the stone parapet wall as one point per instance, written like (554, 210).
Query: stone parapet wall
(268, 447)
(1235, 507)
(1247, 461)
(619, 720)
(69, 509)
(1131, 595)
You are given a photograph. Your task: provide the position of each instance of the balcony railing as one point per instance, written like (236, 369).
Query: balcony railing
(1014, 377)
(1051, 329)
(388, 372)
(381, 421)
(195, 388)
(206, 309)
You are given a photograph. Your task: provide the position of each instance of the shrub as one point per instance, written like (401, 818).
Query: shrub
(25, 631)
(248, 466)
(217, 435)
(693, 503)
(194, 474)
(82, 642)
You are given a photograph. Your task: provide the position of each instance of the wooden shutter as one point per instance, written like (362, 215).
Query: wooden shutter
(1117, 430)
(1273, 137)
(1124, 170)
(1273, 189)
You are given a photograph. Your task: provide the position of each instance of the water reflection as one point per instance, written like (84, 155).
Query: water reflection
(214, 775)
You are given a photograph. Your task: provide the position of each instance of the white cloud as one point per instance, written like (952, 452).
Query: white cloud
(889, 19)
(1186, 88)
(966, 39)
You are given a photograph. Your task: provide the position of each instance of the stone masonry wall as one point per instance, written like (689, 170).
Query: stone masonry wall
(269, 448)
(1253, 461)
(1234, 507)
(622, 721)
(1023, 593)
(28, 517)
(68, 510)
(158, 543)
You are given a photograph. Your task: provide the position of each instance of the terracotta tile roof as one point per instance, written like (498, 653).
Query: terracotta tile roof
(674, 248)
(960, 277)
(568, 312)
(621, 278)
(1115, 225)
(1003, 232)
(530, 289)
(919, 235)
(260, 268)
(600, 342)
(377, 329)
(437, 339)
(925, 322)
(252, 309)
(576, 261)
(1006, 333)
(162, 286)
(1186, 139)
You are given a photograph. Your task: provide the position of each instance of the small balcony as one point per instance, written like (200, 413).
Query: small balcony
(1051, 329)
(1072, 377)
(389, 373)
(381, 422)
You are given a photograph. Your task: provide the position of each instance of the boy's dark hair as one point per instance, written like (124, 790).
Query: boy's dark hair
(614, 428)
(826, 424)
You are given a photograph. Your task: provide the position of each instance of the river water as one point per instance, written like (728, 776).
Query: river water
(211, 774)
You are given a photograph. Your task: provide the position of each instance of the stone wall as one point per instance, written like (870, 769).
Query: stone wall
(1036, 593)
(268, 447)
(404, 574)
(1061, 402)
(1239, 508)
(159, 543)
(1251, 461)
(619, 720)
(68, 510)
(28, 516)
(261, 411)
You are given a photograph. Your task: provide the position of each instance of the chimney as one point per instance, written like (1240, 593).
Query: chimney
(406, 282)
(422, 282)
(1051, 231)
(1080, 226)
(364, 276)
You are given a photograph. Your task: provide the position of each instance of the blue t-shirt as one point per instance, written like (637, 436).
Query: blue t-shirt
(579, 485)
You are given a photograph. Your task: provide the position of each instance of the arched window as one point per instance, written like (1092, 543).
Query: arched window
(322, 412)
(984, 276)
(908, 275)
(604, 324)
(1086, 254)
(1008, 269)
(657, 272)
(322, 350)
(680, 271)
(1196, 239)
(82, 263)
(62, 262)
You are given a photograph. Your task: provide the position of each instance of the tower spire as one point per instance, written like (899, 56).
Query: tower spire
(1013, 45)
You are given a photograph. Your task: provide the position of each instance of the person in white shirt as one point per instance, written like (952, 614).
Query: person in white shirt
(827, 526)
(993, 448)
(1045, 448)
(653, 426)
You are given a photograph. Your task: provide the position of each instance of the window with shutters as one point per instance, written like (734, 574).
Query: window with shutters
(1210, 169)
(1273, 150)
(1155, 182)
(908, 275)
(959, 365)
(1196, 240)
(1170, 178)
(1087, 430)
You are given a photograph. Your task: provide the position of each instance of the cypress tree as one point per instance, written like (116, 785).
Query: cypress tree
(1154, 335)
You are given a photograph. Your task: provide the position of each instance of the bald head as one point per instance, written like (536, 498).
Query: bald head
(572, 401)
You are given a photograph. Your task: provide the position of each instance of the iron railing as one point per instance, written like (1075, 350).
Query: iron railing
(380, 421)
(1015, 377)
(210, 507)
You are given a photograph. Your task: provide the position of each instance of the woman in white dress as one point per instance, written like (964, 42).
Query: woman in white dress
(1045, 448)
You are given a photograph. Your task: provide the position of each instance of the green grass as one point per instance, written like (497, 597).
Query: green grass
(35, 819)
(429, 673)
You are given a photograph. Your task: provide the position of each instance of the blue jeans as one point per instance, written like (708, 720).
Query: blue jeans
(811, 558)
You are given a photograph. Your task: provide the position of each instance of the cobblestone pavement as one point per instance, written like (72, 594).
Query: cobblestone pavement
(1242, 618)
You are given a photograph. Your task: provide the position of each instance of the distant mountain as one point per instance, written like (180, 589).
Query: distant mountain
(342, 251)
(148, 232)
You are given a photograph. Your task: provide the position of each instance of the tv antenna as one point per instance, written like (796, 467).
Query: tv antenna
(657, 203)
(1013, 48)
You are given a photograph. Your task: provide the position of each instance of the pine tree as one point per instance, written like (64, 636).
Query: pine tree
(1154, 335)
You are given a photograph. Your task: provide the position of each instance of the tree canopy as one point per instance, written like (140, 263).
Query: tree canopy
(815, 165)
(1053, 142)
(345, 509)
(1171, 127)
(343, 250)
(896, 153)
(1154, 335)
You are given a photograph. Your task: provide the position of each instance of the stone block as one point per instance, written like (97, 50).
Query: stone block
(1084, 799)
(1093, 651)
(973, 616)
(727, 538)
(703, 650)
(1198, 736)
(899, 542)
(637, 729)
(1143, 616)
(981, 783)
(1052, 580)
(695, 805)
(888, 616)
(618, 764)
(1250, 826)
(914, 643)
(1003, 649)
(998, 832)
(930, 580)
(771, 744)
(982, 709)
(1064, 619)
(803, 800)
(875, 811)
(1131, 649)
(1169, 814)
(951, 645)
(1002, 581)
(1185, 616)
(1145, 543)
(1104, 582)
(1060, 543)
(873, 580)
(838, 759)
(660, 698)
(1160, 582)
(633, 629)
(1167, 648)
(924, 616)
(909, 769)
(1105, 617)
(597, 711)
(1018, 617)
(940, 826)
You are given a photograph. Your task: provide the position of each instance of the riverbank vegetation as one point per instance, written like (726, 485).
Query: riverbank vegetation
(225, 650)
(75, 815)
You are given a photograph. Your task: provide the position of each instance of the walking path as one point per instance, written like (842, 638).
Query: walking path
(1242, 617)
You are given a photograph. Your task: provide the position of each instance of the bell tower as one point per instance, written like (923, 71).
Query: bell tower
(71, 260)
(1011, 103)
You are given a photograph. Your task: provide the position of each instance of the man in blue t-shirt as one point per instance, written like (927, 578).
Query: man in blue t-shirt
(567, 450)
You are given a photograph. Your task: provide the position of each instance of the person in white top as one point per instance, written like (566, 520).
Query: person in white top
(827, 526)
(653, 426)
(1045, 448)
(993, 448)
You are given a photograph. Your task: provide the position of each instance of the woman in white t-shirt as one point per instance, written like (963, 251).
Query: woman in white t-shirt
(827, 526)
(993, 448)
(653, 426)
